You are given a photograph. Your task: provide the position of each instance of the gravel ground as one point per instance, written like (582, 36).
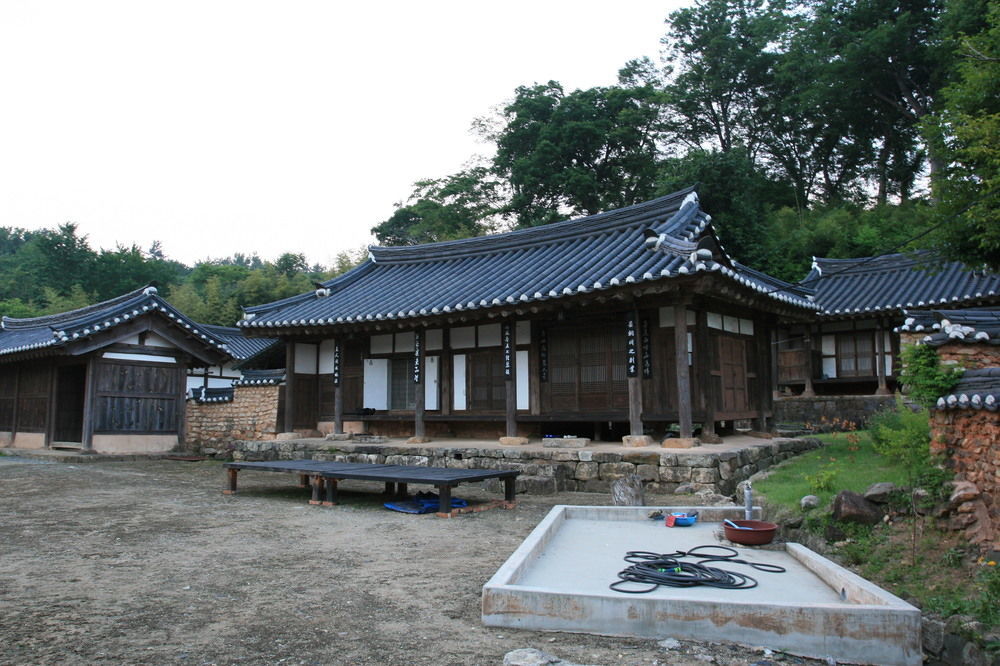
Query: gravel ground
(147, 562)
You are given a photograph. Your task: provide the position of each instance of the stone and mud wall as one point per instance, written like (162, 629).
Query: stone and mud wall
(252, 415)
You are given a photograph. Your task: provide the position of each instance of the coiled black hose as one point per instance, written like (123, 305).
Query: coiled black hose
(656, 569)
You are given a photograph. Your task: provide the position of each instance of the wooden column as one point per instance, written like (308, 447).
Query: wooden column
(883, 388)
(89, 384)
(17, 403)
(289, 424)
(632, 371)
(446, 370)
(182, 398)
(338, 393)
(683, 373)
(809, 391)
(775, 391)
(761, 347)
(703, 365)
(50, 412)
(509, 377)
(419, 429)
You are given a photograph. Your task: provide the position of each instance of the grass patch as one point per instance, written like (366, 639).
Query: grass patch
(847, 461)
(941, 574)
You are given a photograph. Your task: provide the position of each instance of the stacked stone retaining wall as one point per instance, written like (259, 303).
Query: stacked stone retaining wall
(546, 471)
(252, 415)
(832, 412)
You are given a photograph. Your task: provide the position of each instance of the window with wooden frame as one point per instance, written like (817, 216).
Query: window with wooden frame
(856, 354)
(587, 368)
(486, 390)
(402, 389)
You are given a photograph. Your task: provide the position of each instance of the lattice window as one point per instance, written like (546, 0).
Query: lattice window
(856, 354)
(402, 389)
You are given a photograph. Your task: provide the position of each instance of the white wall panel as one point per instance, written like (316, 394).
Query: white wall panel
(376, 383)
(458, 382)
(521, 374)
(432, 373)
(326, 357)
(305, 359)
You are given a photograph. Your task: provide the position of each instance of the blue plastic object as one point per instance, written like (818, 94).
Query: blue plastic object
(684, 519)
(424, 503)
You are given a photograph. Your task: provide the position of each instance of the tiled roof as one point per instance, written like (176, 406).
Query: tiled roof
(203, 395)
(260, 378)
(652, 241)
(978, 389)
(895, 282)
(943, 326)
(240, 347)
(67, 328)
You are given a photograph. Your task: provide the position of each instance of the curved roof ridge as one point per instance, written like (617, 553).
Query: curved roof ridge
(12, 323)
(547, 233)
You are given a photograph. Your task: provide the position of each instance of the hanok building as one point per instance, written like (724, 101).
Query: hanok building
(630, 322)
(850, 347)
(107, 378)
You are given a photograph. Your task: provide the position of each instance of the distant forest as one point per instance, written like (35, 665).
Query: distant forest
(54, 270)
(835, 128)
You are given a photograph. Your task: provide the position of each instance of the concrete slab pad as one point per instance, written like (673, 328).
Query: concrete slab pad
(558, 580)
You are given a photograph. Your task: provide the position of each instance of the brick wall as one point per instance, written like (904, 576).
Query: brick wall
(252, 415)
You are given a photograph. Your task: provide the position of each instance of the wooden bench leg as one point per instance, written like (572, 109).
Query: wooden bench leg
(390, 488)
(331, 492)
(317, 489)
(303, 480)
(401, 490)
(509, 489)
(444, 503)
(231, 489)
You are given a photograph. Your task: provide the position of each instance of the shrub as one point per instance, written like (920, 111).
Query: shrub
(923, 376)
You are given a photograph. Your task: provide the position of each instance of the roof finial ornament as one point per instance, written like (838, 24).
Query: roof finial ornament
(816, 267)
(692, 197)
(150, 291)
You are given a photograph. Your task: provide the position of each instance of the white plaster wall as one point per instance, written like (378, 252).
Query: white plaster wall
(134, 443)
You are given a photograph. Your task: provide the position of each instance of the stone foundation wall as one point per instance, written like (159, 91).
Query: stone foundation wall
(968, 439)
(830, 413)
(252, 415)
(546, 471)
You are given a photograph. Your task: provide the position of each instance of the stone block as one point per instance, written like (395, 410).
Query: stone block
(642, 457)
(514, 441)
(285, 436)
(704, 475)
(339, 437)
(648, 472)
(565, 442)
(675, 474)
(635, 441)
(616, 470)
(585, 456)
(418, 440)
(586, 471)
(679, 442)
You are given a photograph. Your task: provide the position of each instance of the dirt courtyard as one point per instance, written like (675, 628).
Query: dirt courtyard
(148, 562)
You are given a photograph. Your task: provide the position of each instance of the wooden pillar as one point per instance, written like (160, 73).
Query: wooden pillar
(775, 390)
(632, 371)
(338, 393)
(419, 429)
(289, 424)
(446, 373)
(683, 373)
(50, 413)
(703, 364)
(89, 384)
(762, 349)
(181, 399)
(883, 388)
(509, 377)
(17, 403)
(808, 391)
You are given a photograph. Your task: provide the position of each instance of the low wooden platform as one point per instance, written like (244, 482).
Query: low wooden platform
(323, 476)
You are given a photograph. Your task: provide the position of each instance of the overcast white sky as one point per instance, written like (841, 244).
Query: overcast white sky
(222, 126)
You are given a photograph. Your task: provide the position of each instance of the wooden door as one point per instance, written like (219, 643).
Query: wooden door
(70, 388)
(733, 367)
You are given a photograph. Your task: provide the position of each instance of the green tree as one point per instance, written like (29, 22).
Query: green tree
(578, 153)
(968, 129)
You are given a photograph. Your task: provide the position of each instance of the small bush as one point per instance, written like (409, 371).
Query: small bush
(923, 376)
